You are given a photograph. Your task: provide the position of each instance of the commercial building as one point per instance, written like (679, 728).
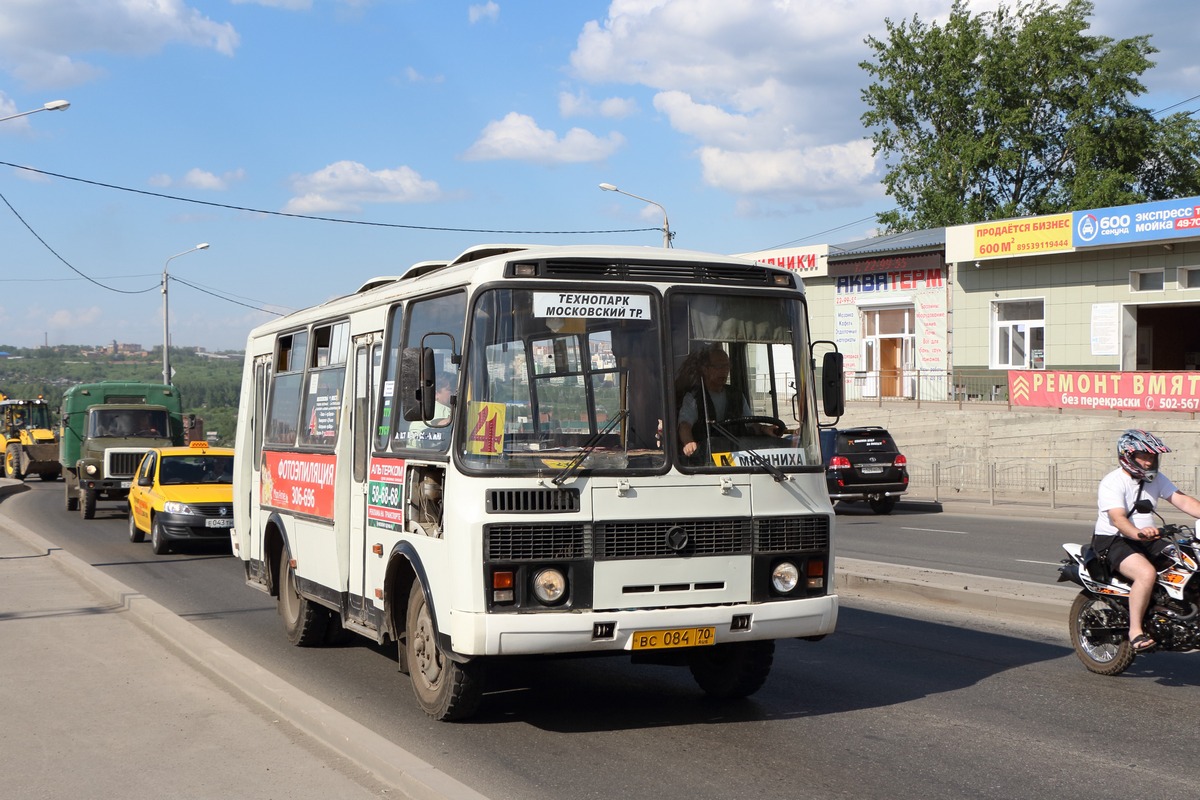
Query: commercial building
(1036, 310)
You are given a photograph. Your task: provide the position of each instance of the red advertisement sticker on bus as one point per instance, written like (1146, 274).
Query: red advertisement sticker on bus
(300, 482)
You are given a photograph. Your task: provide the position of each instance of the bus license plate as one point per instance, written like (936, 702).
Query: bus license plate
(673, 637)
(218, 523)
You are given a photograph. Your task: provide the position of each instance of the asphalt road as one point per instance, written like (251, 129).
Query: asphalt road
(896, 704)
(999, 546)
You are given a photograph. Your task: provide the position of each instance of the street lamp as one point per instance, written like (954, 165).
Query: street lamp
(666, 227)
(53, 105)
(166, 328)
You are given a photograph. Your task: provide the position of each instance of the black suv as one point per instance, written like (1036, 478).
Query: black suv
(864, 464)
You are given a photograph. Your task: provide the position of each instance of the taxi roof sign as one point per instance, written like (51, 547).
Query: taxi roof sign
(199, 443)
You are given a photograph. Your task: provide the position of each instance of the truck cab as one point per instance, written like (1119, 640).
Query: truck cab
(106, 429)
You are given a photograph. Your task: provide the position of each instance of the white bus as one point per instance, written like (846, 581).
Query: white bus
(482, 458)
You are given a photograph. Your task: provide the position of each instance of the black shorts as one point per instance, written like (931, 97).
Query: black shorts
(1120, 548)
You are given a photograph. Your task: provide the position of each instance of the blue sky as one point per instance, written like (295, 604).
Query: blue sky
(740, 117)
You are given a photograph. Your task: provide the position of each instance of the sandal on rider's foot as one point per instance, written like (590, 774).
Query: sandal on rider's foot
(1142, 642)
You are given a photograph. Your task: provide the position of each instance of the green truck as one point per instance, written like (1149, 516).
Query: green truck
(106, 429)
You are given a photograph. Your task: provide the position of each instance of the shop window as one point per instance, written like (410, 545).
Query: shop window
(1019, 334)
(1150, 280)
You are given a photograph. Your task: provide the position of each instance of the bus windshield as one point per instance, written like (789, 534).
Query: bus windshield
(553, 375)
(581, 377)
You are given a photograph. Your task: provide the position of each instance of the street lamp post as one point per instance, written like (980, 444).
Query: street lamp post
(53, 105)
(666, 226)
(166, 326)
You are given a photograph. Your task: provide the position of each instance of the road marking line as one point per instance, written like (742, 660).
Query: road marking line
(1028, 561)
(937, 530)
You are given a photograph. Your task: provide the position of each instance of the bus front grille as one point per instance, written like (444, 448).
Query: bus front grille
(617, 540)
(521, 501)
(791, 534)
(669, 538)
(536, 542)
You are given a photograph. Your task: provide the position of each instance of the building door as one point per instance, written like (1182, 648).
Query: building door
(889, 350)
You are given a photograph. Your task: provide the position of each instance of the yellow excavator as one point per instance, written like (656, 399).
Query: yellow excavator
(30, 439)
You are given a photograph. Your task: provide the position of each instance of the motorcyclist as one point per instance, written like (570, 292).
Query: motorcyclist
(1125, 531)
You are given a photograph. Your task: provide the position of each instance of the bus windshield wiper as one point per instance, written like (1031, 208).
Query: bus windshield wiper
(586, 449)
(775, 471)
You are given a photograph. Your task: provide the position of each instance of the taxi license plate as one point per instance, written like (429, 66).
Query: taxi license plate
(218, 523)
(674, 637)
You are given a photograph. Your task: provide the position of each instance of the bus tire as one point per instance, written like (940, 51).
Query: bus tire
(87, 503)
(728, 671)
(304, 621)
(445, 689)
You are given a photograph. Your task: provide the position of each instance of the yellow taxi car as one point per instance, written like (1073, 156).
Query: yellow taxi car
(182, 493)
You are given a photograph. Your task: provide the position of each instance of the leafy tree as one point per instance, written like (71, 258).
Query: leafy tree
(1018, 112)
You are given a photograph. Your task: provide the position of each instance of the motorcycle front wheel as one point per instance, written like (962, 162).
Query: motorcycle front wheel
(1099, 633)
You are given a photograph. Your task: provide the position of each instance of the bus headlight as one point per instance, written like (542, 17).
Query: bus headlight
(549, 586)
(784, 577)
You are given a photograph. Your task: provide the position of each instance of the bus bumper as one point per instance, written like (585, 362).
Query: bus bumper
(593, 632)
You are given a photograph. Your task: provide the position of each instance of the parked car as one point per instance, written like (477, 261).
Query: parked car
(864, 463)
(180, 494)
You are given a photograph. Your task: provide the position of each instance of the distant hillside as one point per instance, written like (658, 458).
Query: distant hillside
(209, 383)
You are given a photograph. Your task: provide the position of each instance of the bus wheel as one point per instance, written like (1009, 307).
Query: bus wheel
(87, 503)
(445, 689)
(727, 671)
(304, 621)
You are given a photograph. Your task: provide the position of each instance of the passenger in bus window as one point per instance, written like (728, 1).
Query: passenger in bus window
(437, 431)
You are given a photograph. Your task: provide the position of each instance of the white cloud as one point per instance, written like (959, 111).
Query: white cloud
(413, 76)
(71, 319)
(835, 168)
(489, 10)
(581, 105)
(347, 185)
(42, 42)
(517, 137)
(767, 89)
(286, 5)
(196, 178)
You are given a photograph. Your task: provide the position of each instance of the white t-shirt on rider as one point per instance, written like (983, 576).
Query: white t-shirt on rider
(1118, 489)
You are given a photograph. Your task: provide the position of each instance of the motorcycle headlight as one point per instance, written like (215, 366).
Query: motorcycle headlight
(174, 507)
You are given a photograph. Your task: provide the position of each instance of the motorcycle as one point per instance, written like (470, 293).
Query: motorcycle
(1100, 613)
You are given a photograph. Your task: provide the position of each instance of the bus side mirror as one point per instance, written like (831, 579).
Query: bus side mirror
(832, 385)
(417, 392)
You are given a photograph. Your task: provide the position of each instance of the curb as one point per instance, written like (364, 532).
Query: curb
(387, 761)
(957, 590)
